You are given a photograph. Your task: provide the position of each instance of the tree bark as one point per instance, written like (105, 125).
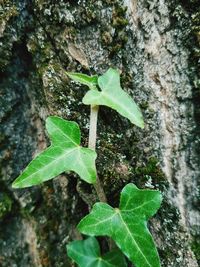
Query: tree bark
(154, 45)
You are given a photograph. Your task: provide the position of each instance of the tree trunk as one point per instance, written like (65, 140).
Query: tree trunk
(154, 45)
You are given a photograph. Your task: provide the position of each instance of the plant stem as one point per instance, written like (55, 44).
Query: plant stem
(92, 145)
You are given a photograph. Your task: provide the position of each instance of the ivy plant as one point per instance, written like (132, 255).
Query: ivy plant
(86, 253)
(64, 154)
(126, 225)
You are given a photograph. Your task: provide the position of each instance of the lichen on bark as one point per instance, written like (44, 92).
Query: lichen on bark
(151, 43)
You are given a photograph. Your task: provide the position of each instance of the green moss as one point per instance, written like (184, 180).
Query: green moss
(151, 172)
(8, 10)
(119, 20)
(42, 51)
(115, 42)
(89, 15)
(106, 37)
(2, 138)
(70, 32)
(196, 33)
(144, 105)
(195, 245)
(5, 205)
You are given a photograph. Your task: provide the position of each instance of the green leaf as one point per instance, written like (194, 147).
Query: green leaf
(90, 81)
(64, 154)
(113, 96)
(86, 253)
(127, 225)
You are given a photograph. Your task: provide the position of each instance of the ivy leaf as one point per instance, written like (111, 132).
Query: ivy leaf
(86, 253)
(64, 154)
(113, 96)
(90, 81)
(127, 225)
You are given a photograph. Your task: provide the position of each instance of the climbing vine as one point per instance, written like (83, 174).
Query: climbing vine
(125, 225)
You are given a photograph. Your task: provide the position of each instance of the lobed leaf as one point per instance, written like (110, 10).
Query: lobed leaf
(113, 96)
(127, 225)
(86, 253)
(90, 81)
(64, 154)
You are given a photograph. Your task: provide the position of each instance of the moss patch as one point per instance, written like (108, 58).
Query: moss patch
(195, 245)
(5, 205)
(151, 173)
(114, 35)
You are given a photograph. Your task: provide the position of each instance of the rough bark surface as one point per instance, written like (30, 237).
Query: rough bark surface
(155, 46)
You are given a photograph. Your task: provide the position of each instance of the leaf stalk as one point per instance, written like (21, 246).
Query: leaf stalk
(92, 145)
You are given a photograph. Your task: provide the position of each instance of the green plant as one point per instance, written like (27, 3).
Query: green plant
(126, 225)
(87, 253)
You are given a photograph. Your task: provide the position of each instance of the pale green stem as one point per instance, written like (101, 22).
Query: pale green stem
(92, 144)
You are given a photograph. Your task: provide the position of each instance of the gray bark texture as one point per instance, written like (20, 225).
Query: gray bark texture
(155, 45)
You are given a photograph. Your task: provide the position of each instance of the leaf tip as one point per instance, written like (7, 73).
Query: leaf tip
(141, 125)
(81, 226)
(15, 184)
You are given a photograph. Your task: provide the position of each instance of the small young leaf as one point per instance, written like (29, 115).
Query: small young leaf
(64, 154)
(113, 96)
(127, 225)
(86, 253)
(90, 81)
